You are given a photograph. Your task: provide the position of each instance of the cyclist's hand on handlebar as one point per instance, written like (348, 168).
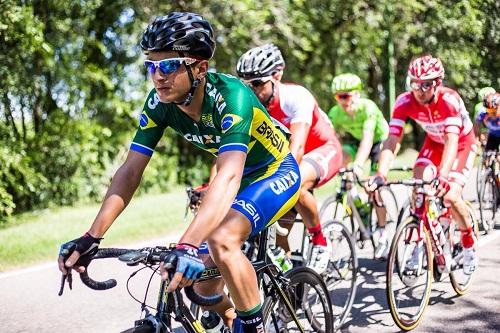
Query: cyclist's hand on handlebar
(443, 185)
(374, 182)
(187, 263)
(77, 253)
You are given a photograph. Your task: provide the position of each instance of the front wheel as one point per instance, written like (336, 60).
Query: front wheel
(409, 274)
(307, 294)
(488, 201)
(341, 274)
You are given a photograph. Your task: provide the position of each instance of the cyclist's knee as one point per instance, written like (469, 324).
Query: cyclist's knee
(226, 240)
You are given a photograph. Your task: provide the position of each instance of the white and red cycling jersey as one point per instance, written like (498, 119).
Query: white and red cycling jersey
(291, 104)
(447, 114)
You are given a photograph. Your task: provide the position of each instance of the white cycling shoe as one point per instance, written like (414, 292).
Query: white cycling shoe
(319, 259)
(469, 260)
(382, 250)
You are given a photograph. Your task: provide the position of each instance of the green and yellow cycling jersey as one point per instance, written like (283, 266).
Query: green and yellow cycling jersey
(367, 118)
(232, 118)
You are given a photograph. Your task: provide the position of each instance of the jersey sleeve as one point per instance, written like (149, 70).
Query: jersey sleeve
(480, 116)
(453, 109)
(236, 122)
(151, 128)
(301, 104)
(399, 115)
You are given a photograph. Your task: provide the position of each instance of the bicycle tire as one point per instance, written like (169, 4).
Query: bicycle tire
(404, 211)
(331, 209)
(403, 321)
(342, 272)
(302, 285)
(461, 287)
(488, 202)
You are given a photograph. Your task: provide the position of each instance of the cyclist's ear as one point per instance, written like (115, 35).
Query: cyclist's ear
(201, 69)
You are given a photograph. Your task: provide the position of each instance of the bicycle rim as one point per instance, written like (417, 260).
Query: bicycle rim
(459, 280)
(308, 296)
(408, 290)
(341, 275)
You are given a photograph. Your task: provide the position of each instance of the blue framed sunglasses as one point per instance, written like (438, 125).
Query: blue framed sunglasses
(167, 66)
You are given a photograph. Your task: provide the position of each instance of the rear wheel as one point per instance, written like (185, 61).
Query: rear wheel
(488, 201)
(409, 274)
(341, 274)
(459, 280)
(308, 296)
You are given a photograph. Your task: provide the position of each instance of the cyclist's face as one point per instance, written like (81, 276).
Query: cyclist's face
(173, 86)
(263, 89)
(347, 100)
(423, 91)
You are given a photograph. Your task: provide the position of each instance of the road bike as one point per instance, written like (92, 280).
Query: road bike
(426, 245)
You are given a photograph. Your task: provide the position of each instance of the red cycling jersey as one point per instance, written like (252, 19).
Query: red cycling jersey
(292, 103)
(447, 114)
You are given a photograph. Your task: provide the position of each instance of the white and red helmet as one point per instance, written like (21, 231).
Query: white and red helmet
(426, 68)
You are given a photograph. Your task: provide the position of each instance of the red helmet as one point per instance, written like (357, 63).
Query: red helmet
(426, 68)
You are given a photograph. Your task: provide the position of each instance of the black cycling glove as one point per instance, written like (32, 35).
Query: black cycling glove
(85, 245)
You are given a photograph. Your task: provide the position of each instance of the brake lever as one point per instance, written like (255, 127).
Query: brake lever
(65, 277)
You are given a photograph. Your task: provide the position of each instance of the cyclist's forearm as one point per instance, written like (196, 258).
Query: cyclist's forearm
(449, 153)
(387, 155)
(215, 206)
(364, 149)
(297, 150)
(119, 194)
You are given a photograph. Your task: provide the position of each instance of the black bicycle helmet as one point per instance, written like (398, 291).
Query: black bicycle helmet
(184, 32)
(259, 62)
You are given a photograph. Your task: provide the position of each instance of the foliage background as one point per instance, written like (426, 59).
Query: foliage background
(72, 85)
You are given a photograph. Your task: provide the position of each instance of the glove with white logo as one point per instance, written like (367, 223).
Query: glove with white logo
(86, 245)
(188, 261)
(374, 182)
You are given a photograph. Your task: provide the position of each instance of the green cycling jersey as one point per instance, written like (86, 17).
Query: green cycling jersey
(367, 118)
(232, 118)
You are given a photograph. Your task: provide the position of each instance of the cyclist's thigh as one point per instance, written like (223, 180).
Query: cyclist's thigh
(326, 159)
(428, 160)
(270, 195)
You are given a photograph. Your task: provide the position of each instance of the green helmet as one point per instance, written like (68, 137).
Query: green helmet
(485, 91)
(346, 82)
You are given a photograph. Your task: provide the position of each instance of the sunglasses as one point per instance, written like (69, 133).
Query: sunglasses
(343, 96)
(167, 66)
(424, 86)
(256, 83)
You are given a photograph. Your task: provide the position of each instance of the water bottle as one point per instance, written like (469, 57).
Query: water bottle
(279, 258)
(212, 322)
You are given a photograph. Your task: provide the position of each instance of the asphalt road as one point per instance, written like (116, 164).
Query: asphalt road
(30, 303)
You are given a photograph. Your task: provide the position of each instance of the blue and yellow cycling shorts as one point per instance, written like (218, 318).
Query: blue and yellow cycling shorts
(266, 196)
